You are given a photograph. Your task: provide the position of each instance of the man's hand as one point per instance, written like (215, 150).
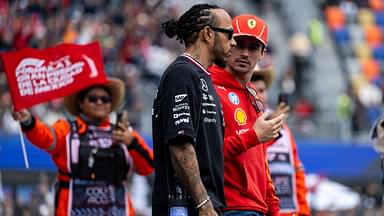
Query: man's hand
(123, 133)
(268, 129)
(22, 115)
(282, 108)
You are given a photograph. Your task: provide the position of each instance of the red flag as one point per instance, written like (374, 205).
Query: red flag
(36, 76)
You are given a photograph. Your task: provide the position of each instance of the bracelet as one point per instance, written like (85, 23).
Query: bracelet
(203, 202)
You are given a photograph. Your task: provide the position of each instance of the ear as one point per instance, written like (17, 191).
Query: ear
(263, 52)
(207, 34)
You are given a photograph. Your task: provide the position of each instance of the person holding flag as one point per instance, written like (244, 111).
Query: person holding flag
(94, 157)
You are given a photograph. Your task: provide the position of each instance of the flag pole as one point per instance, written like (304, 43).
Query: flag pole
(382, 176)
(25, 156)
(2, 197)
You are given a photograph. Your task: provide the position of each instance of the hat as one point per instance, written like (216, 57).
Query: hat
(250, 25)
(268, 74)
(115, 86)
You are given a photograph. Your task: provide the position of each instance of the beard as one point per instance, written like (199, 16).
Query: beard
(219, 54)
(220, 62)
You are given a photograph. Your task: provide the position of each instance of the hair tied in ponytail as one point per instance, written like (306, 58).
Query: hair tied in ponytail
(170, 28)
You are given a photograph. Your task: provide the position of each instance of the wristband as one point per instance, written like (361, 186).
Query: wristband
(203, 202)
(27, 122)
(30, 126)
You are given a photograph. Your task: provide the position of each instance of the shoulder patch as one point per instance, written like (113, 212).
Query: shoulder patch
(234, 98)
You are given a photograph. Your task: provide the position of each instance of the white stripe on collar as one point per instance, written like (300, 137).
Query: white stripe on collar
(186, 55)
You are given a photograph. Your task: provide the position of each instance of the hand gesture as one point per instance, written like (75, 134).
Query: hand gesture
(268, 129)
(22, 115)
(282, 108)
(122, 134)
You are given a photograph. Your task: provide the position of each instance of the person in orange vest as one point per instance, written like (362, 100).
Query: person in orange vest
(93, 156)
(286, 169)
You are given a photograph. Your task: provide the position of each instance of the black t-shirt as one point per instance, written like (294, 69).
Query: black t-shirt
(187, 105)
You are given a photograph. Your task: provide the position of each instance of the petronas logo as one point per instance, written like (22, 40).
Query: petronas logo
(251, 23)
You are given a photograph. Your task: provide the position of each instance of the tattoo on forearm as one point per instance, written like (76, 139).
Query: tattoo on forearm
(186, 166)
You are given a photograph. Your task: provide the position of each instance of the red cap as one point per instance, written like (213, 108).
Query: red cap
(250, 25)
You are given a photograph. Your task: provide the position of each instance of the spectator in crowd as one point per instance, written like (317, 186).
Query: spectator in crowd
(344, 114)
(286, 169)
(300, 48)
(90, 152)
(187, 117)
(316, 33)
(304, 111)
(246, 128)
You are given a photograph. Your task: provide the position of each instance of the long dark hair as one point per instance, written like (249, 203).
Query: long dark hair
(190, 23)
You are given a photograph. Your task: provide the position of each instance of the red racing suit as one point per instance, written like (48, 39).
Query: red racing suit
(54, 140)
(248, 185)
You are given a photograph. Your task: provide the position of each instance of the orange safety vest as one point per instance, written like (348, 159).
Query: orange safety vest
(288, 172)
(55, 140)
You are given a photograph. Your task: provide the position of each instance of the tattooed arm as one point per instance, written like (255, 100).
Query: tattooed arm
(186, 166)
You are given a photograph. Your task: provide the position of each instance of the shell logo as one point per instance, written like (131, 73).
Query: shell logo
(240, 116)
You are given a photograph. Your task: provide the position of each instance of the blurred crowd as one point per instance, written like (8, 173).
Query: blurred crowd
(357, 29)
(133, 48)
(28, 199)
(295, 78)
(133, 45)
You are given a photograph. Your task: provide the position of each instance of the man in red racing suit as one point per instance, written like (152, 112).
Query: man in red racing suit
(248, 186)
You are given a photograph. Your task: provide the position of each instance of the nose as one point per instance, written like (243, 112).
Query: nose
(232, 42)
(245, 52)
(99, 101)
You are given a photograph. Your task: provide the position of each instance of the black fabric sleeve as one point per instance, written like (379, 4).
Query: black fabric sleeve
(30, 126)
(180, 104)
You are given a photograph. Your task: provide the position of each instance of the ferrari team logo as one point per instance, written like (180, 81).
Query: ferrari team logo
(240, 116)
(251, 23)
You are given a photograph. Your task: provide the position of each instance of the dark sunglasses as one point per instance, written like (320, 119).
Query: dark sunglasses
(255, 101)
(94, 99)
(229, 32)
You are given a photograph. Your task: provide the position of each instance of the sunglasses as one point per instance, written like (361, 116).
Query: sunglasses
(229, 32)
(255, 101)
(104, 99)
